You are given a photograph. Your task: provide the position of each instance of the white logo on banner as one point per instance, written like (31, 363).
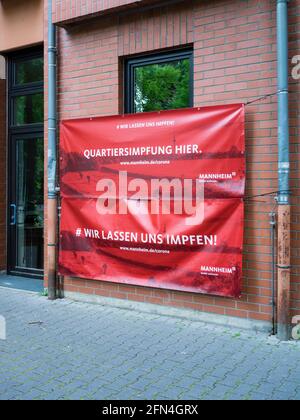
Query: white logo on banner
(2, 328)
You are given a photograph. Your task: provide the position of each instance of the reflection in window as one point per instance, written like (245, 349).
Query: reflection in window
(29, 71)
(28, 109)
(162, 86)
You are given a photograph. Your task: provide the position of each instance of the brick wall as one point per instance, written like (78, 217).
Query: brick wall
(235, 60)
(70, 11)
(2, 176)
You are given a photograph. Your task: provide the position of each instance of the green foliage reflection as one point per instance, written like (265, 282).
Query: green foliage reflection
(162, 86)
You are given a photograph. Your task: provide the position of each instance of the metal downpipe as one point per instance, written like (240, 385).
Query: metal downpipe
(284, 209)
(52, 194)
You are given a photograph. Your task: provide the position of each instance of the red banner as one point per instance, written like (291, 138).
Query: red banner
(155, 199)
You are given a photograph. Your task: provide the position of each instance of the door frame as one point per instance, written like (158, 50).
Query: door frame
(12, 229)
(15, 132)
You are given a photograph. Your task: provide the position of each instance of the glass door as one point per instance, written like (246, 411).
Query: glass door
(26, 164)
(27, 203)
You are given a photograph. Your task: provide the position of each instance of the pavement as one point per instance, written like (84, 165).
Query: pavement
(22, 283)
(71, 351)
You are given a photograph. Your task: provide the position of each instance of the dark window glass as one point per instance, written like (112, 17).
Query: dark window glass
(160, 83)
(29, 109)
(29, 71)
(30, 202)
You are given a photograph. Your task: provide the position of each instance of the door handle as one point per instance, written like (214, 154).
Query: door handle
(13, 217)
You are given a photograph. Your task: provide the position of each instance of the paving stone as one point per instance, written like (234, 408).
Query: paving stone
(84, 351)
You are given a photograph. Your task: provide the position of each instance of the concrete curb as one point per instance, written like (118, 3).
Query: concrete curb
(189, 314)
(13, 289)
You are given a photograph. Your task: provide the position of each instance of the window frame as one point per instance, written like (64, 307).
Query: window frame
(13, 133)
(15, 90)
(150, 59)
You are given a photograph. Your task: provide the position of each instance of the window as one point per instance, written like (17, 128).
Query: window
(28, 109)
(26, 90)
(160, 82)
(29, 70)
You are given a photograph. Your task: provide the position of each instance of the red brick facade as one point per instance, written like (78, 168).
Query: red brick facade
(71, 11)
(2, 175)
(235, 61)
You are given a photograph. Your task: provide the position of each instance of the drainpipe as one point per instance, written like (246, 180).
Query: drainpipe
(284, 207)
(52, 194)
(274, 278)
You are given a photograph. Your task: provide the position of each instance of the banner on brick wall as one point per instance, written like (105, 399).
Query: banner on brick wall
(155, 199)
